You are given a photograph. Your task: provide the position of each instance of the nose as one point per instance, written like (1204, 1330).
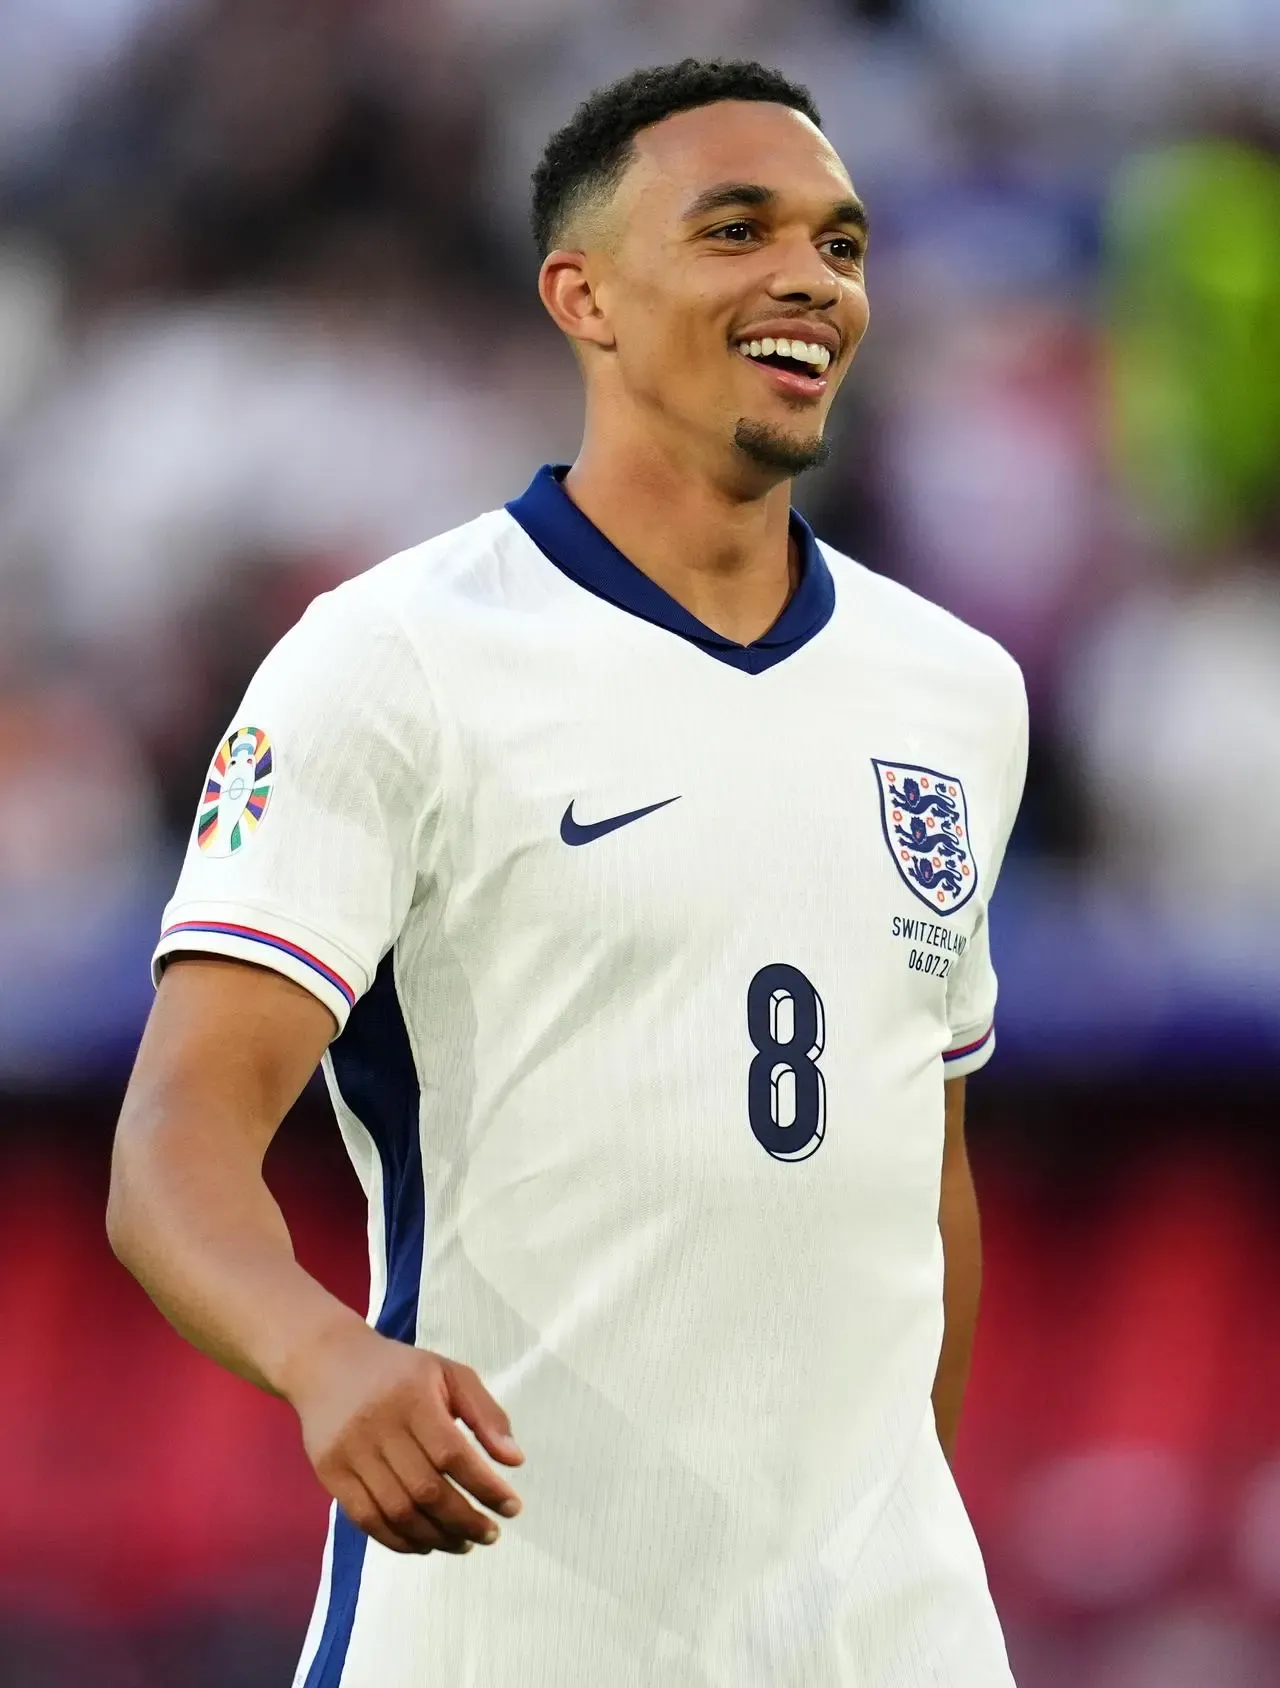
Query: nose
(802, 277)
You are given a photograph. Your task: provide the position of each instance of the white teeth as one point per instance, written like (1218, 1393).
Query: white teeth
(802, 351)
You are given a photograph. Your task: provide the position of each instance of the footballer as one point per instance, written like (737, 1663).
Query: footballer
(625, 857)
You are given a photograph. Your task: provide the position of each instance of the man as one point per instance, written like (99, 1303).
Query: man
(637, 850)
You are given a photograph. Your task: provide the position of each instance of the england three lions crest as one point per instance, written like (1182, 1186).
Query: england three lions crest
(926, 826)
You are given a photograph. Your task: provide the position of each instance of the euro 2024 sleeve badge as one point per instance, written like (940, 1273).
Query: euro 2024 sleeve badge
(237, 790)
(926, 826)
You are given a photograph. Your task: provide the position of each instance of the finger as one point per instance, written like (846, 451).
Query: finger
(434, 1495)
(458, 1459)
(363, 1511)
(399, 1512)
(470, 1401)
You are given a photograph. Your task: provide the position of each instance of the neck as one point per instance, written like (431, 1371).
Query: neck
(721, 550)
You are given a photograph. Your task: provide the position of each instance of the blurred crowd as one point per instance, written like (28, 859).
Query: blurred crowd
(267, 314)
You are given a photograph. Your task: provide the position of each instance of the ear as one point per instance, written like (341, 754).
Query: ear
(572, 295)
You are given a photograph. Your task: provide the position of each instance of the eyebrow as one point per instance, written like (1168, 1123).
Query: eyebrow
(726, 195)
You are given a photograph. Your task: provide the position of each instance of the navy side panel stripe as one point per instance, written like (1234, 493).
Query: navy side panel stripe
(374, 1070)
(344, 1586)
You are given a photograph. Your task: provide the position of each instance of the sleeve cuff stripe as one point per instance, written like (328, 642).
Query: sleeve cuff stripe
(227, 929)
(969, 1048)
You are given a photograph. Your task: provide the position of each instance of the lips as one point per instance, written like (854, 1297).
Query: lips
(796, 356)
(789, 383)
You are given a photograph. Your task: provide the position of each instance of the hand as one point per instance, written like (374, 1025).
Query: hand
(379, 1426)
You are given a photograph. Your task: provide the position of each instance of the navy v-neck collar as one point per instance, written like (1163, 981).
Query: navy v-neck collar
(577, 547)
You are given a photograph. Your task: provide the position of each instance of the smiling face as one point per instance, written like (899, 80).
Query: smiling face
(734, 227)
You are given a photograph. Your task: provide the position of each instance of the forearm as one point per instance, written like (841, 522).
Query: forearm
(207, 1241)
(962, 1252)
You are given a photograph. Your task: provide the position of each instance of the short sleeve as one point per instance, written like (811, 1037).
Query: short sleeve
(304, 852)
(971, 989)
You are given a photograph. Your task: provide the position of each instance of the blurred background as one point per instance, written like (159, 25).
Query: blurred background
(267, 314)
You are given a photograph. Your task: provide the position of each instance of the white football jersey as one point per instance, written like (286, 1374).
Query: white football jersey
(649, 954)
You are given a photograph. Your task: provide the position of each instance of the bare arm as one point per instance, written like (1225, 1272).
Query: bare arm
(226, 1052)
(189, 1213)
(962, 1251)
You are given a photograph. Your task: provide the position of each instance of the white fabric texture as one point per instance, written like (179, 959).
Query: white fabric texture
(717, 1355)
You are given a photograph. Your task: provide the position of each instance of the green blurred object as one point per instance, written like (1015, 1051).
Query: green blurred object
(1192, 258)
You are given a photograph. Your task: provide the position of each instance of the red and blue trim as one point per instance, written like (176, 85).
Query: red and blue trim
(970, 1048)
(229, 929)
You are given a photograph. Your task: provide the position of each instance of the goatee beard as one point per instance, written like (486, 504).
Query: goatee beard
(770, 448)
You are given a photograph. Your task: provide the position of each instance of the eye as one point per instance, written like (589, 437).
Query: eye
(736, 234)
(845, 249)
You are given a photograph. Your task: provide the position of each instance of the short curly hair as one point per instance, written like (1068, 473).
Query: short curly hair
(589, 155)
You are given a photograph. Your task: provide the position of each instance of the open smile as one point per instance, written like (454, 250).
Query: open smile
(789, 379)
(794, 367)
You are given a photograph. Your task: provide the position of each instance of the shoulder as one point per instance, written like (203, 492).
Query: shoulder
(356, 659)
(381, 615)
(901, 619)
(466, 563)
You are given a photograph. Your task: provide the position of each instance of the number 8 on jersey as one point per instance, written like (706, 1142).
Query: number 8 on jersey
(786, 1093)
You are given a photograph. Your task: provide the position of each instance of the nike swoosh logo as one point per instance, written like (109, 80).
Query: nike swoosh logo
(572, 832)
